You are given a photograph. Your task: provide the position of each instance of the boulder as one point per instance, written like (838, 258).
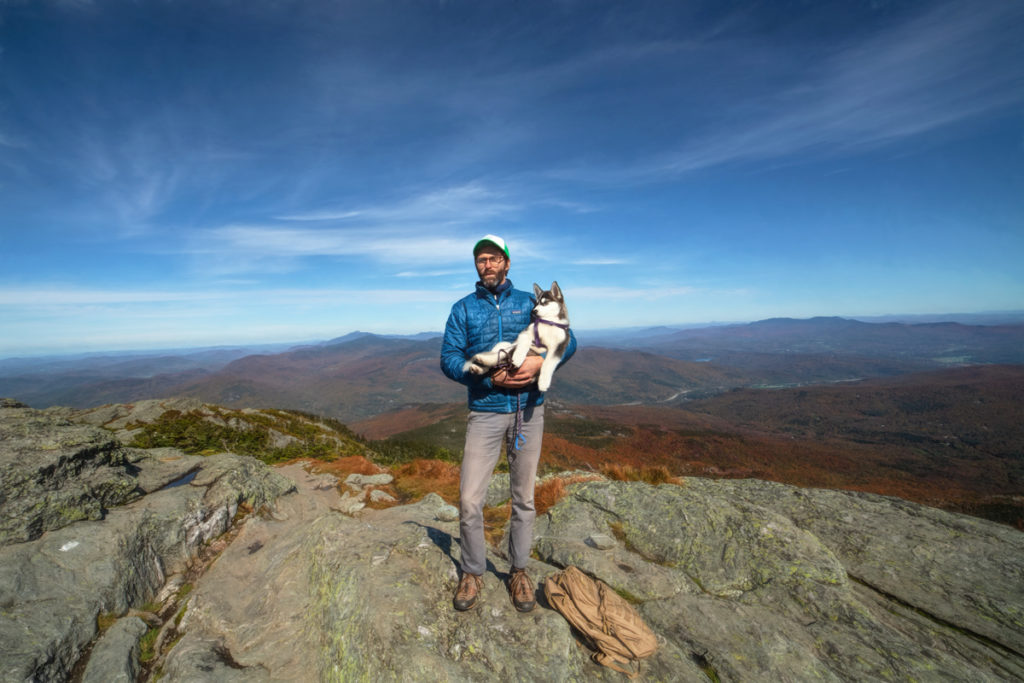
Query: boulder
(757, 580)
(953, 568)
(156, 468)
(120, 416)
(357, 481)
(601, 541)
(330, 597)
(498, 490)
(115, 657)
(54, 473)
(447, 513)
(120, 558)
(378, 496)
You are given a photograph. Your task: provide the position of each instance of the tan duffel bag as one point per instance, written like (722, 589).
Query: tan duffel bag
(612, 626)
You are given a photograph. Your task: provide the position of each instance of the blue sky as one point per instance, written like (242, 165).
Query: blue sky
(200, 172)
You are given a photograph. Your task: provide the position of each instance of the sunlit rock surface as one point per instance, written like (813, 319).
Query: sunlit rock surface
(742, 580)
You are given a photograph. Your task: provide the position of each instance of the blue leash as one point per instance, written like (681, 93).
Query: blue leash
(516, 440)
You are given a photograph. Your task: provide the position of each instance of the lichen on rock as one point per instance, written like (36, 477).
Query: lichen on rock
(113, 555)
(740, 579)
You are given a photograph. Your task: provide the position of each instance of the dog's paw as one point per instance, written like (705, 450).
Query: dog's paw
(519, 356)
(473, 368)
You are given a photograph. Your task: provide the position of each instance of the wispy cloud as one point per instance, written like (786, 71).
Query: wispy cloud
(73, 296)
(122, 176)
(629, 293)
(430, 273)
(460, 204)
(29, 298)
(7, 140)
(432, 227)
(388, 245)
(930, 72)
(572, 207)
(322, 215)
(599, 261)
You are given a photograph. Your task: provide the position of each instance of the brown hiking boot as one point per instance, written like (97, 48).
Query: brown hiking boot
(467, 592)
(520, 587)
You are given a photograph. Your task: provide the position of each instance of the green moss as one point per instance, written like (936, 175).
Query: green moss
(153, 607)
(331, 594)
(183, 592)
(105, 620)
(193, 432)
(628, 597)
(619, 530)
(400, 451)
(707, 667)
(146, 645)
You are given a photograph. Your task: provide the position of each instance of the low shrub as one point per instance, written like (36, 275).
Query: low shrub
(420, 477)
(651, 475)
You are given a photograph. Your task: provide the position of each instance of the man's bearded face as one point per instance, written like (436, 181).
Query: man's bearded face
(491, 266)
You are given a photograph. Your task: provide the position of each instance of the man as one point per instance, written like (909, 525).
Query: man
(498, 404)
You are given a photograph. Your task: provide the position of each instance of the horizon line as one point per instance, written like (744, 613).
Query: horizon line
(1013, 317)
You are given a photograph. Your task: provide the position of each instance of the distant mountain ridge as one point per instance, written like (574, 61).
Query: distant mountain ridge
(956, 342)
(361, 374)
(353, 336)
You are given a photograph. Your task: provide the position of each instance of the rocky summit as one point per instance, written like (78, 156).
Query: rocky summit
(122, 564)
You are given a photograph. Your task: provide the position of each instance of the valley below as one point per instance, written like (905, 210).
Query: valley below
(927, 412)
(952, 439)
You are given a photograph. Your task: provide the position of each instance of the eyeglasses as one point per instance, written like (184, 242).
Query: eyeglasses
(487, 260)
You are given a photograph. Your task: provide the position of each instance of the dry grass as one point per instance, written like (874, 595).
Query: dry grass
(495, 520)
(342, 467)
(355, 464)
(420, 477)
(549, 493)
(651, 475)
(546, 495)
(383, 504)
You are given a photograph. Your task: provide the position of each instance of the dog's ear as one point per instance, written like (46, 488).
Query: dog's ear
(537, 291)
(556, 291)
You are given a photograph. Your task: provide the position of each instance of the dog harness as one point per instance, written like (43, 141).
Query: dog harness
(536, 331)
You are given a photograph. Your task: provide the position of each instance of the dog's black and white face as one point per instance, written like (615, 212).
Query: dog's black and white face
(550, 304)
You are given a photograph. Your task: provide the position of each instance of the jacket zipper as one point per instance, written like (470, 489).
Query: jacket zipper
(501, 336)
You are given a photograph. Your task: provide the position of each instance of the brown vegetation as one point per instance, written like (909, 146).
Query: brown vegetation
(951, 439)
(342, 467)
(420, 477)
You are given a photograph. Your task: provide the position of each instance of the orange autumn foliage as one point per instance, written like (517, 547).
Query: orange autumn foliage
(495, 520)
(420, 477)
(652, 475)
(549, 493)
(342, 467)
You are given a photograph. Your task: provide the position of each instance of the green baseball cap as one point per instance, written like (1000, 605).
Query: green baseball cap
(494, 240)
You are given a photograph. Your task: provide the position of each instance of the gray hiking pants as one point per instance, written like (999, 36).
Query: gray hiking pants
(485, 434)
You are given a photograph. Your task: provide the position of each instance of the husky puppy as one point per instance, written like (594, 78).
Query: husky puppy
(548, 331)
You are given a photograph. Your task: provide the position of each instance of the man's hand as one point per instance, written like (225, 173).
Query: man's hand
(523, 377)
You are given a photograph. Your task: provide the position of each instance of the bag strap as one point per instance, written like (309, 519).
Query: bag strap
(605, 659)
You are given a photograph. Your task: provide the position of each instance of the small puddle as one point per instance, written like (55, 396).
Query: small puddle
(181, 482)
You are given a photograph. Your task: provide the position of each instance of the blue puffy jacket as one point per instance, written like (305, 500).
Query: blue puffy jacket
(477, 322)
